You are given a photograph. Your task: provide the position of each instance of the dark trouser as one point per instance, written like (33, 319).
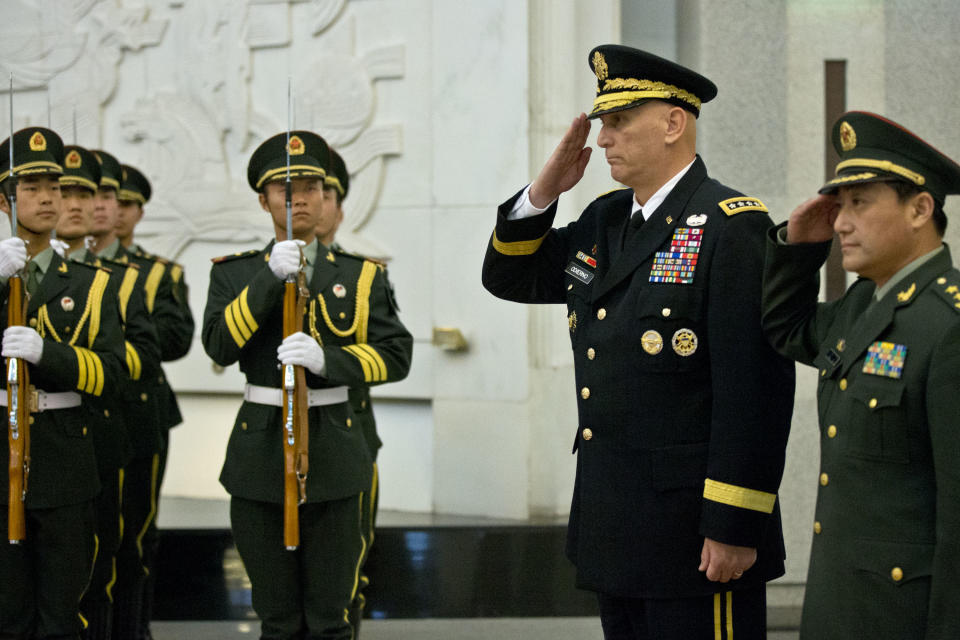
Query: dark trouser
(42, 579)
(139, 509)
(96, 603)
(368, 522)
(721, 616)
(305, 593)
(151, 543)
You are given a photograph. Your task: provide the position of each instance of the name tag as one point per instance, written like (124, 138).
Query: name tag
(579, 273)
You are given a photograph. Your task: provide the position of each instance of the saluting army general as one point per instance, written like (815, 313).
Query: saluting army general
(111, 416)
(73, 344)
(351, 337)
(683, 408)
(885, 561)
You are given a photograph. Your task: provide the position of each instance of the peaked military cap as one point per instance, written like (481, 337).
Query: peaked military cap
(36, 151)
(134, 185)
(80, 168)
(874, 149)
(337, 176)
(309, 157)
(109, 169)
(628, 77)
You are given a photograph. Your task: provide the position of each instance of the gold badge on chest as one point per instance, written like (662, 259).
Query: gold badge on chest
(684, 342)
(652, 342)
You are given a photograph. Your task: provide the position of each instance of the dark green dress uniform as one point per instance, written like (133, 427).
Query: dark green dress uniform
(75, 311)
(886, 548)
(111, 440)
(683, 408)
(306, 593)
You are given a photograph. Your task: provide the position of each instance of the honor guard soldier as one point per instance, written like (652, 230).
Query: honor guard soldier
(885, 559)
(335, 189)
(78, 185)
(347, 334)
(683, 408)
(71, 343)
(169, 306)
(142, 411)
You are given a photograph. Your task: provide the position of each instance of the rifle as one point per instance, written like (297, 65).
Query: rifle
(18, 387)
(296, 423)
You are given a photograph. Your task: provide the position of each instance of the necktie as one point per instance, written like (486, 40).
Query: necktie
(633, 224)
(33, 278)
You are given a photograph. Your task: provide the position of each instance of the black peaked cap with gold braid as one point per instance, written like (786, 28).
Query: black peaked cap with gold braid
(874, 149)
(309, 157)
(36, 151)
(338, 177)
(628, 77)
(80, 168)
(134, 186)
(110, 171)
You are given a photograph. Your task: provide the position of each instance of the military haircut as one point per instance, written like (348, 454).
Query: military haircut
(906, 190)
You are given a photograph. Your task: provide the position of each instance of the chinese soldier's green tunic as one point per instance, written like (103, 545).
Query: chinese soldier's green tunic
(886, 547)
(351, 314)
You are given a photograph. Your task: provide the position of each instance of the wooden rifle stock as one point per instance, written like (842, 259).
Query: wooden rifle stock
(296, 421)
(18, 421)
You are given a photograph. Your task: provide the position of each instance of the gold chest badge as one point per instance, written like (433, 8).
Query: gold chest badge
(652, 342)
(684, 342)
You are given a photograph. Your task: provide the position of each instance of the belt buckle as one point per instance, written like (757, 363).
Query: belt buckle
(33, 399)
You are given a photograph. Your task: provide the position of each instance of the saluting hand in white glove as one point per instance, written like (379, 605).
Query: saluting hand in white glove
(285, 258)
(300, 349)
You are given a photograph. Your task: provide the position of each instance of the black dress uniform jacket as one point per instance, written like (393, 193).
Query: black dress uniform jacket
(75, 310)
(702, 409)
(350, 311)
(885, 560)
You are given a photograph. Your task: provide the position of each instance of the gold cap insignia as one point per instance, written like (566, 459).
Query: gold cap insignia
(848, 137)
(684, 342)
(600, 66)
(73, 160)
(296, 146)
(652, 342)
(38, 142)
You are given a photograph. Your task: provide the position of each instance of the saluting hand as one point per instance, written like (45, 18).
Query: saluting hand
(565, 166)
(813, 220)
(724, 562)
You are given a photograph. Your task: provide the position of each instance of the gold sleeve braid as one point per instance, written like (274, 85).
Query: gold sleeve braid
(153, 282)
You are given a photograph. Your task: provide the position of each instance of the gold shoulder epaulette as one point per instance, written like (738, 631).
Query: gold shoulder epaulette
(234, 256)
(116, 263)
(353, 254)
(949, 290)
(733, 206)
(606, 193)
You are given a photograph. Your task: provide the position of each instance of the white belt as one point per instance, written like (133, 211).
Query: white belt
(274, 397)
(44, 400)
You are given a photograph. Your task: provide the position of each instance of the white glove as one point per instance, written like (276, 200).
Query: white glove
(22, 342)
(300, 349)
(285, 258)
(59, 246)
(13, 255)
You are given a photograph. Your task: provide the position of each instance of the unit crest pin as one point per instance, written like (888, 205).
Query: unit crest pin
(67, 303)
(339, 290)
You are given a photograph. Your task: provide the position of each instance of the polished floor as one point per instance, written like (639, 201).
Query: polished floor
(431, 629)
(432, 578)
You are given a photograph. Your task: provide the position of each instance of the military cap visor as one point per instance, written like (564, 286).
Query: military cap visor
(134, 186)
(80, 168)
(110, 170)
(875, 149)
(309, 158)
(36, 151)
(628, 77)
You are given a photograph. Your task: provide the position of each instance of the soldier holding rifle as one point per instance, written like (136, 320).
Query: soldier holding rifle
(348, 335)
(71, 344)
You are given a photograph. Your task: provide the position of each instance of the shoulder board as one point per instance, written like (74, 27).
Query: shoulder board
(340, 251)
(607, 193)
(733, 206)
(948, 288)
(86, 265)
(234, 256)
(108, 263)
